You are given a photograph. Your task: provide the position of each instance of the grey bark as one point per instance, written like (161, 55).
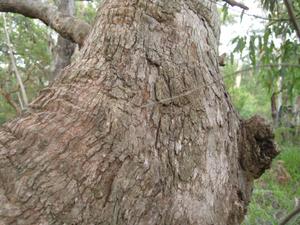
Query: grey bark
(67, 26)
(64, 48)
(93, 151)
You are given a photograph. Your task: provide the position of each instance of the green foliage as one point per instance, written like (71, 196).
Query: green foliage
(270, 5)
(32, 44)
(272, 200)
(275, 52)
(285, 135)
(249, 104)
(240, 44)
(273, 55)
(272, 61)
(6, 111)
(251, 97)
(32, 56)
(226, 17)
(291, 156)
(87, 12)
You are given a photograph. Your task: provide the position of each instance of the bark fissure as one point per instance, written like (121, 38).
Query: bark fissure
(93, 155)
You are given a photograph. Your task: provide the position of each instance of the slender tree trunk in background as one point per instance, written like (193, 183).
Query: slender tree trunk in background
(238, 80)
(64, 48)
(97, 147)
(23, 99)
(297, 115)
(274, 109)
(280, 83)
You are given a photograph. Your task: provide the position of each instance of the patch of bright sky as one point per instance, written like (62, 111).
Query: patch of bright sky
(244, 27)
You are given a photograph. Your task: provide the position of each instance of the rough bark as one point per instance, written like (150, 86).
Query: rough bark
(67, 26)
(92, 150)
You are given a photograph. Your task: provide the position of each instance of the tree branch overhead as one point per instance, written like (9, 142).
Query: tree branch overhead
(235, 3)
(292, 16)
(68, 27)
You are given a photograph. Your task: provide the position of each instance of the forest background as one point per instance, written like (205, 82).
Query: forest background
(261, 73)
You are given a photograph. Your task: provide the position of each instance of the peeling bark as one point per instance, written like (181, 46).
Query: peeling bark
(67, 26)
(87, 152)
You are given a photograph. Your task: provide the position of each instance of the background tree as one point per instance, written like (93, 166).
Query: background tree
(64, 48)
(138, 130)
(269, 86)
(32, 58)
(39, 53)
(274, 56)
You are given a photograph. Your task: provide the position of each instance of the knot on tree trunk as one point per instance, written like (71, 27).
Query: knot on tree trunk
(257, 147)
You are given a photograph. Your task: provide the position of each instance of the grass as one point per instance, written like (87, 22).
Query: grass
(272, 198)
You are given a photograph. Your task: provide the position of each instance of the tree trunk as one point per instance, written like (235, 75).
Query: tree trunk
(274, 109)
(297, 115)
(64, 48)
(139, 130)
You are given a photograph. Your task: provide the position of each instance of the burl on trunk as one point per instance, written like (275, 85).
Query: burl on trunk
(120, 138)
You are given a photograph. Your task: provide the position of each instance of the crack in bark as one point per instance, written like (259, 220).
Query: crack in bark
(166, 164)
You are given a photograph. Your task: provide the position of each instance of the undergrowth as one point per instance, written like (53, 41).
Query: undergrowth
(276, 193)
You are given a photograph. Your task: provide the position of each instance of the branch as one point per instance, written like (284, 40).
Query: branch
(235, 3)
(292, 16)
(266, 66)
(290, 216)
(10, 101)
(68, 27)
